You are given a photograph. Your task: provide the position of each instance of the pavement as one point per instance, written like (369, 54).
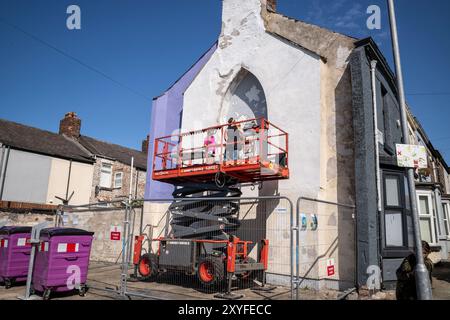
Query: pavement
(104, 279)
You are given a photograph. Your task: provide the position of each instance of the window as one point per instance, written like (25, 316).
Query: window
(394, 229)
(393, 211)
(392, 191)
(446, 212)
(105, 175)
(118, 180)
(387, 120)
(427, 218)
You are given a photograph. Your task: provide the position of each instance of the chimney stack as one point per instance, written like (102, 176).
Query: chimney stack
(272, 5)
(70, 125)
(145, 144)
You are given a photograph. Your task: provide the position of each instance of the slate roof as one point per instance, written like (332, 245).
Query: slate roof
(114, 151)
(26, 138)
(40, 141)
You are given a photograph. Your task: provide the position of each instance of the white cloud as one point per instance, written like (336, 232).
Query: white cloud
(341, 14)
(350, 19)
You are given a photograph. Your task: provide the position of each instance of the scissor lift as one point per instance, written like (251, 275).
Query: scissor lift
(260, 155)
(211, 161)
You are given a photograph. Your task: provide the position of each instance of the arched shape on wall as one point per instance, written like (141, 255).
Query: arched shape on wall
(245, 99)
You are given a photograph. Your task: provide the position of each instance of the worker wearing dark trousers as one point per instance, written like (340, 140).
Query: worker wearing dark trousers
(233, 139)
(406, 281)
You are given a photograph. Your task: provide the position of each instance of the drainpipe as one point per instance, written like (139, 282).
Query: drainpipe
(68, 180)
(2, 154)
(136, 185)
(377, 139)
(3, 168)
(376, 132)
(2, 158)
(131, 180)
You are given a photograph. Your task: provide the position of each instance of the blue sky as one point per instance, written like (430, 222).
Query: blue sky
(129, 51)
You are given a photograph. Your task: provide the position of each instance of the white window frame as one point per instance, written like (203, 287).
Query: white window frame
(446, 217)
(116, 174)
(431, 216)
(106, 171)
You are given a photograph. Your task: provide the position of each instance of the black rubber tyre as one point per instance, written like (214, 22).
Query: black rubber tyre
(82, 291)
(211, 271)
(8, 283)
(46, 294)
(148, 267)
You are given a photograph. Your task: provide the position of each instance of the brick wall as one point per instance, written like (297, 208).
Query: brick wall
(100, 222)
(70, 125)
(111, 194)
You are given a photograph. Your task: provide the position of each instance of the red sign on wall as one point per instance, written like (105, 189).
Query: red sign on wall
(115, 234)
(331, 271)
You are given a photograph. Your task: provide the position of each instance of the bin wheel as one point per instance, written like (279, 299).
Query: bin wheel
(46, 295)
(211, 271)
(148, 267)
(8, 283)
(82, 291)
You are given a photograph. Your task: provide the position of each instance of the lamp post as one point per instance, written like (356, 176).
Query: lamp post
(423, 285)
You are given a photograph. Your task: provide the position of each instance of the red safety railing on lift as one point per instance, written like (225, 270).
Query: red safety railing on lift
(251, 150)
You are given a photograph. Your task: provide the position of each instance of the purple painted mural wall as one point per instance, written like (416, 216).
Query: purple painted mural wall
(166, 118)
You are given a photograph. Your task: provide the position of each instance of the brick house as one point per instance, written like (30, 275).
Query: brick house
(39, 168)
(433, 194)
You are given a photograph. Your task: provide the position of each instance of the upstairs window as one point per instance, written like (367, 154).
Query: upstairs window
(393, 212)
(446, 212)
(118, 180)
(105, 175)
(427, 218)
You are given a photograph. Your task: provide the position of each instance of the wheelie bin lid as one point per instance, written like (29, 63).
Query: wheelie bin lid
(14, 230)
(55, 232)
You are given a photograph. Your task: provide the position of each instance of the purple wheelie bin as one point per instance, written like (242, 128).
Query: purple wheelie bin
(62, 261)
(15, 252)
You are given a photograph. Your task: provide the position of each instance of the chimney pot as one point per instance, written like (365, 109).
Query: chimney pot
(70, 125)
(145, 144)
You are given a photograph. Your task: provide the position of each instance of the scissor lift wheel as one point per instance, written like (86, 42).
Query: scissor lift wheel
(211, 271)
(148, 267)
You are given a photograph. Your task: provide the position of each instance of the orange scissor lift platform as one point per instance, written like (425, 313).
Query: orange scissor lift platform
(250, 151)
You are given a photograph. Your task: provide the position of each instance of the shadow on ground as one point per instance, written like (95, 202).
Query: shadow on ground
(442, 271)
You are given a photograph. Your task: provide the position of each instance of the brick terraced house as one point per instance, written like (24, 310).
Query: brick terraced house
(40, 168)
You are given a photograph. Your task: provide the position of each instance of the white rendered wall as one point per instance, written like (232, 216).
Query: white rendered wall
(289, 76)
(80, 181)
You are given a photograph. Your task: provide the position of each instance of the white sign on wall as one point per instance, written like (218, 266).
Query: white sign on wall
(412, 156)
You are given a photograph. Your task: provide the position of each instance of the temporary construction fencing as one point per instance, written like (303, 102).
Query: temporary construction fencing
(215, 245)
(222, 247)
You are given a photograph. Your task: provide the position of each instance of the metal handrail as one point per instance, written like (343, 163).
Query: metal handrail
(264, 126)
(298, 229)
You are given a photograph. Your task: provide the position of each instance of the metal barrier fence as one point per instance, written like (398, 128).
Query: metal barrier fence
(184, 246)
(186, 243)
(325, 245)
